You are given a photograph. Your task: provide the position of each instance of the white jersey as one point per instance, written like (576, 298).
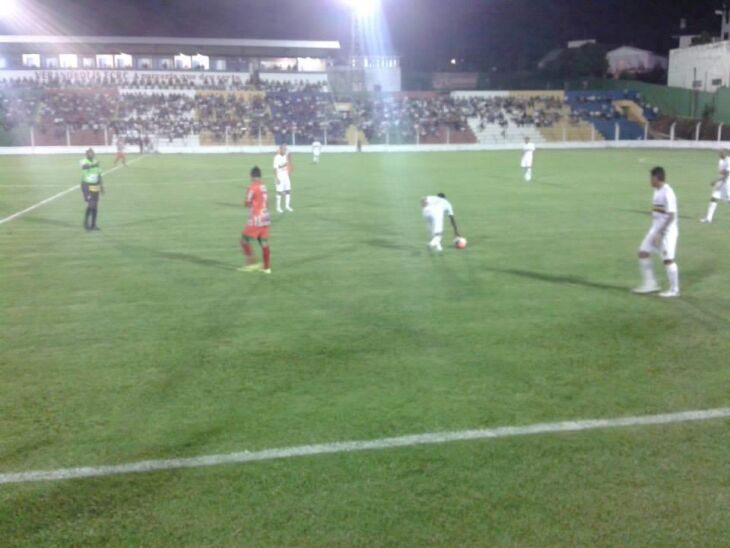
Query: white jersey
(664, 204)
(281, 166)
(528, 154)
(316, 148)
(435, 206)
(723, 167)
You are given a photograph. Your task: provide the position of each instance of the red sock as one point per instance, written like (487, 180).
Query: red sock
(267, 256)
(247, 251)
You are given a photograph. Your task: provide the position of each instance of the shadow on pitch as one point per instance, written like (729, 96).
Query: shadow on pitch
(149, 221)
(178, 256)
(561, 280)
(52, 222)
(388, 244)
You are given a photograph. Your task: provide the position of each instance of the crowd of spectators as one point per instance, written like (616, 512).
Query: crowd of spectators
(531, 111)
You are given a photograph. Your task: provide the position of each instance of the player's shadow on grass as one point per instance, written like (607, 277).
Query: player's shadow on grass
(562, 280)
(52, 222)
(178, 256)
(388, 244)
(152, 220)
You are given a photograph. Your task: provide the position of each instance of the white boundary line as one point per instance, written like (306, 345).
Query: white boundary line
(60, 194)
(352, 446)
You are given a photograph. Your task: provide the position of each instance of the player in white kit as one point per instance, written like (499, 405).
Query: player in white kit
(661, 238)
(528, 156)
(316, 151)
(435, 208)
(720, 188)
(282, 170)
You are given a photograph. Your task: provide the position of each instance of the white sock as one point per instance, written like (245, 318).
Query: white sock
(528, 174)
(436, 241)
(673, 276)
(287, 200)
(711, 210)
(647, 272)
(278, 202)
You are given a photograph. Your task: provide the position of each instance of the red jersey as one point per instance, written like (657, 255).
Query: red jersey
(256, 202)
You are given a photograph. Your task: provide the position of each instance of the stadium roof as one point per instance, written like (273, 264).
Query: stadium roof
(167, 45)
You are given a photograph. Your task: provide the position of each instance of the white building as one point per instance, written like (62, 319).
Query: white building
(704, 68)
(627, 59)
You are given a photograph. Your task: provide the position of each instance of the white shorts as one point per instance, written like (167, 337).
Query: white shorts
(721, 191)
(526, 165)
(434, 222)
(283, 183)
(667, 249)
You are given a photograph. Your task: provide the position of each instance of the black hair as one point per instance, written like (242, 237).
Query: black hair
(256, 173)
(441, 195)
(659, 173)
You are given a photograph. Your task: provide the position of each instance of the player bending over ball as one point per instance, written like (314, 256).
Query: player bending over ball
(720, 188)
(282, 169)
(661, 238)
(528, 156)
(257, 226)
(434, 210)
(91, 188)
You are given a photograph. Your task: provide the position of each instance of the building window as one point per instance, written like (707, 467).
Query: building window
(123, 61)
(32, 60)
(220, 64)
(183, 62)
(3, 63)
(88, 62)
(68, 61)
(51, 62)
(166, 64)
(717, 82)
(104, 61)
(145, 63)
(201, 62)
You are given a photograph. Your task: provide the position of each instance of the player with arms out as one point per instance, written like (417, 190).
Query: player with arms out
(121, 155)
(91, 187)
(316, 151)
(435, 208)
(528, 156)
(661, 238)
(720, 188)
(282, 169)
(257, 226)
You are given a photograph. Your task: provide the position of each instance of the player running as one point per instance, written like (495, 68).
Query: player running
(316, 151)
(720, 188)
(434, 210)
(282, 169)
(91, 187)
(661, 238)
(257, 226)
(528, 156)
(121, 155)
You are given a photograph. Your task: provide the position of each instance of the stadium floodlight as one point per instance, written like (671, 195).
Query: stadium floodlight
(9, 9)
(363, 8)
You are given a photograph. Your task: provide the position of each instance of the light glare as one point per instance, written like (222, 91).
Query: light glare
(9, 9)
(364, 8)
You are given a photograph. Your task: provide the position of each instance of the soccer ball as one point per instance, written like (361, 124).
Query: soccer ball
(460, 243)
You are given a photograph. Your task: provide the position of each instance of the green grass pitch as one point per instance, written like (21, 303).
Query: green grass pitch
(143, 342)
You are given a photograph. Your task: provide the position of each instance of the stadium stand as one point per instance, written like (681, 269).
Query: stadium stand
(226, 109)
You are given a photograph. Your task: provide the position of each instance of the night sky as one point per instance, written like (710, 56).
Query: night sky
(508, 34)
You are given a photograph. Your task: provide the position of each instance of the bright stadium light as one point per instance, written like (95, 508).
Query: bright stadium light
(363, 8)
(9, 9)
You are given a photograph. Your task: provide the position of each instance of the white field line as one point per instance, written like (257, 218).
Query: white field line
(59, 195)
(353, 446)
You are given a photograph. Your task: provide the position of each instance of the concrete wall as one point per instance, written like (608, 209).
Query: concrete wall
(704, 68)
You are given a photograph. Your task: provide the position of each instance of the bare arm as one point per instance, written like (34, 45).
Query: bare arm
(453, 225)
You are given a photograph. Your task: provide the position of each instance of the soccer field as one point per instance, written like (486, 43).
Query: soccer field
(142, 342)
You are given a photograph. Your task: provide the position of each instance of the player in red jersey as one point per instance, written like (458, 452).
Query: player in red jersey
(257, 227)
(121, 155)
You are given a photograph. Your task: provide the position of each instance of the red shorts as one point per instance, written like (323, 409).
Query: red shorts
(257, 232)
(120, 156)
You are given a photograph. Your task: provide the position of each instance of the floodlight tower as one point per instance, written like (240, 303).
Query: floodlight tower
(362, 13)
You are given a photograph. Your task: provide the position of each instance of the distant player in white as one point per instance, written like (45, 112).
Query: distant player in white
(316, 151)
(282, 168)
(720, 188)
(661, 238)
(435, 208)
(528, 156)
